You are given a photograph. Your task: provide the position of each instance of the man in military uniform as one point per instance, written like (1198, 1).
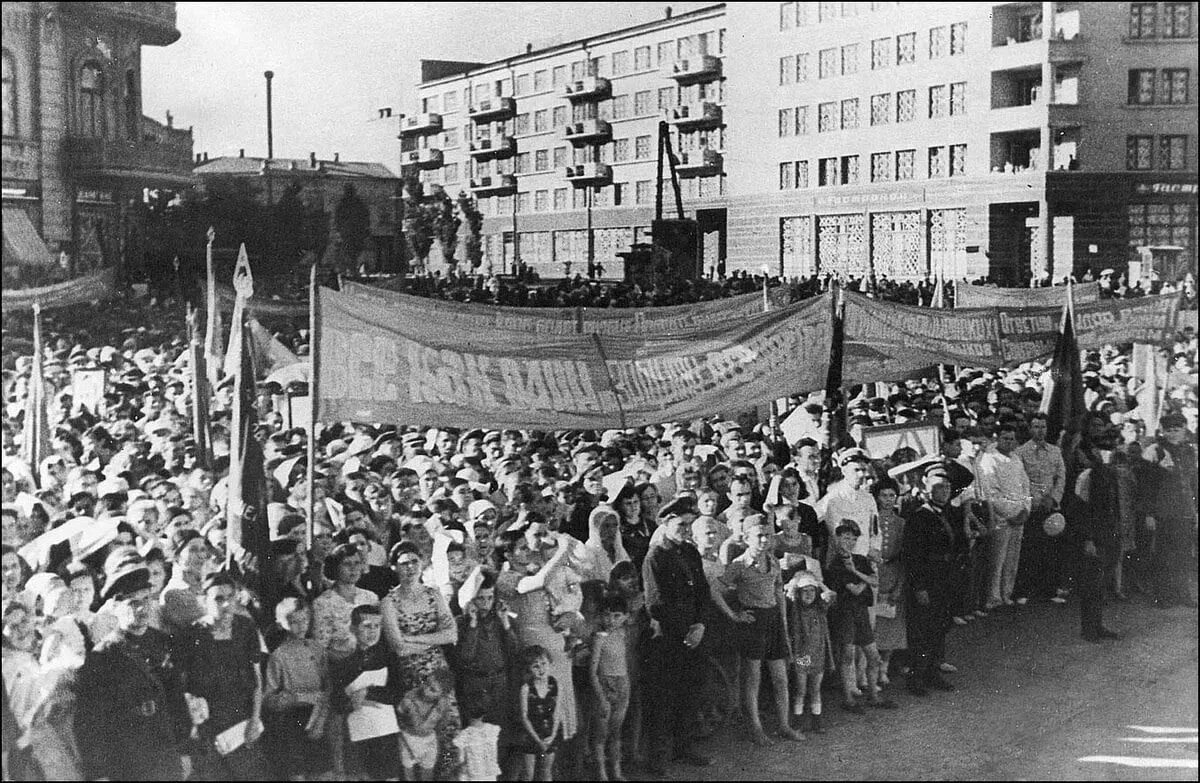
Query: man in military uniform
(931, 551)
(130, 712)
(677, 598)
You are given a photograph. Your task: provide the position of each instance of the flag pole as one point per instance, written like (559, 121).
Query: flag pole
(200, 389)
(33, 441)
(311, 444)
(773, 420)
(212, 317)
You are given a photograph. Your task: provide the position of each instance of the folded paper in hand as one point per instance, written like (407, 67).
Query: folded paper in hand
(372, 678)
(372, 720)
(232, 738)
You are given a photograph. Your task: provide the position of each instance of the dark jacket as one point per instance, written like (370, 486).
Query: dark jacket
(676, 589)
(929, 549)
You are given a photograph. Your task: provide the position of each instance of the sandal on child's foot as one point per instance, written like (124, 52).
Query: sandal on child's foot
(788, 733)
(760, 738)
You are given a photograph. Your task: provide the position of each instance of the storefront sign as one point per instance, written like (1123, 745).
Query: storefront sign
(1173, 188)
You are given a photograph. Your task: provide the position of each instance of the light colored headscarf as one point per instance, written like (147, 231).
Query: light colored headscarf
(597, 564)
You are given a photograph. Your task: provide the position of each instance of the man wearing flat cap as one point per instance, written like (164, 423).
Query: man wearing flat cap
(677, 598)
(130, 714)
(931, 550)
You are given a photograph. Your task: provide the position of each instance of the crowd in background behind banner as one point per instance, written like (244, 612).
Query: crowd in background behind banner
(467, 594)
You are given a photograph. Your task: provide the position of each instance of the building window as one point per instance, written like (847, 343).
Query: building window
(642, 103)
(595, 66)
(522, 202)
(787, 122)
(881, 109)
(1139, 153)
(521, 125)
(938, 101)
(620, 107)
(827, 117)
(665, 53)
(906, 48)
(522, 164)
(906, 105)
(958, 38)
(578, 70)
(1142, 19)
(450, 138)
(827, 12)
(827, 172)
(541, 201)
(1141, 86)
(91, 101)
(559, 117)
(881, 167)
(429, 104)
(881, 53)
(787, 16)
(801, 121)
(1160, 224)
(849, 59)
(801, 68)
(939, 44)
(827, 64)
(786, 176)
(850, 114)
(958, 98)
(620, 150)
(1172, 152)
(641, 58)
(559, 76)
(560, 157)
(1177, 20)
(560, 199)
(541, 160)
(8, 94)
(958, 160)
(1174, 86)
(541, 80)
(801, 174)
(541, 120)
(643, 192)
(937, 162)
(641, 147)
(906, 164)
(666, 98)
(522, 86)
(849, 169)
(599, 196)
(620, 63)
(787, 69)
(451, 172)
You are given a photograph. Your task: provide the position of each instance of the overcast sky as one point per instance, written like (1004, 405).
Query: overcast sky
(335, 64)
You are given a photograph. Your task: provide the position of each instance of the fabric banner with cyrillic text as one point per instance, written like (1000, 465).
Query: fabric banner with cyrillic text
(969, 296)
(72, 292)
(386, 357)
(1030, 333)
(886, 341)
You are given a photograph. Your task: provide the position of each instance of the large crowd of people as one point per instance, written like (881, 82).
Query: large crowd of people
(484, 604)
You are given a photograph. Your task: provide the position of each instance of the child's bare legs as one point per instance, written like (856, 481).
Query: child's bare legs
(849, 673)
(751, 679)
(860, 670)
(546, 767)
(528, 766)
(600, 733)
(779, 684)
(415, 772)
(885, 660)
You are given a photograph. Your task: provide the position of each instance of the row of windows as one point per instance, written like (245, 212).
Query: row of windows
(943, 41)
(1172, 152)
(615, 195)
(620, 151)
(1165, 86)
(799, 14)
(942, 161)
(92, 98)
(945, 100)
(1177, 19)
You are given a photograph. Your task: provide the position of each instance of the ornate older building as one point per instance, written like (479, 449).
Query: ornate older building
(78, 154)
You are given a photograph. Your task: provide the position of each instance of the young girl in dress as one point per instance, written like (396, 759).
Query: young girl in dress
(812, 651)
(540, 716)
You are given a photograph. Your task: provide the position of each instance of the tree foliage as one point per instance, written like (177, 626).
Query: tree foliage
(352, 219)
(445, 225)
(473, 241)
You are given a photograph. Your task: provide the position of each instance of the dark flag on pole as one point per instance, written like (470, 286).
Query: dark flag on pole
(200, 390)
(835, 402)
(1062, 399)
(247, 535)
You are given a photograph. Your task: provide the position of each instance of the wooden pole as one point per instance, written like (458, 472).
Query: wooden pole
(311, 443)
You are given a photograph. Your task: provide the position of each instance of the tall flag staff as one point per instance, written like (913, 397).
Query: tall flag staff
(311, 442)
(213, 349)
(835, 403)
(35, 434)
(200, 389)
(1062, 401)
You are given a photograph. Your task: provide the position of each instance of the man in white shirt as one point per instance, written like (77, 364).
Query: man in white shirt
(1041, 555)
(807, 461)
(851, 499)
(1005, 486)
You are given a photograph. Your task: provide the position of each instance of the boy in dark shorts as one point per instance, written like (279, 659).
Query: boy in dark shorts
(853, 578)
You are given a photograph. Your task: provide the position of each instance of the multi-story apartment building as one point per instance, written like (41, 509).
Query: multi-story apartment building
(901, 139)
(559, 144)
(908, 139)
(77, 151)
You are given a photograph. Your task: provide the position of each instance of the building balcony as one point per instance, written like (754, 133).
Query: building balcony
(699, 68)
(151, 161)
(421, 124)
(22, 159)
(493, 148)
(1016, 118)
(493, 110)
(704, 114)
(496, 185)
(427, 158)
(588, 132)
(699, 163)
(1065, 115)
(1066, 50)
(592, 88)
(152, 23)
(585, 174)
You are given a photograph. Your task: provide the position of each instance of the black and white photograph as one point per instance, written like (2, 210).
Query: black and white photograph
(600, 391)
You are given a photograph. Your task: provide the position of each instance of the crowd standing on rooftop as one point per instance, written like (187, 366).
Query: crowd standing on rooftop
(477, 604)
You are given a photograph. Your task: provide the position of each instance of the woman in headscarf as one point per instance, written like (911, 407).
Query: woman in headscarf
(604, 548)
